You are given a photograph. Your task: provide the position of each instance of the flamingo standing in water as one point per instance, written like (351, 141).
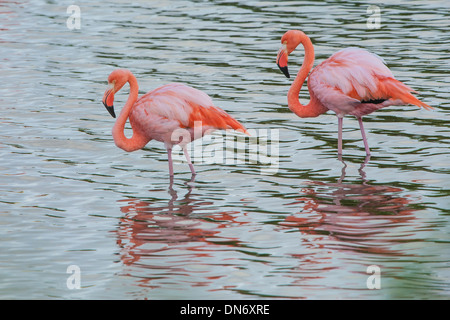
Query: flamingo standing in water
(158, 115)
(352, 81)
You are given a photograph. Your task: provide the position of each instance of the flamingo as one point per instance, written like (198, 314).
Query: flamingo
(161, 113)
(352, 81)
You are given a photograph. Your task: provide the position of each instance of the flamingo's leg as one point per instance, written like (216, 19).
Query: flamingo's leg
(169, 156)
(186, 154)
(366, 145)
(340, 120)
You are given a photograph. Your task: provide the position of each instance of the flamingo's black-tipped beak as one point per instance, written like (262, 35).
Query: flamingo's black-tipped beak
(110, 110)
(282, 61)
(285, 71)
(108, 100)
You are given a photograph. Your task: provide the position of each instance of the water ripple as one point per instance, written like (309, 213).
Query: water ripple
(309, 229)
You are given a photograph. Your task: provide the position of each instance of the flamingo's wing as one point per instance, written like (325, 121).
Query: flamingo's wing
(187, 106)
(354, 78)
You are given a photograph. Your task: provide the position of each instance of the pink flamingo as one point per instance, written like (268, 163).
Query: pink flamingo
(352, 81)
(158, 115)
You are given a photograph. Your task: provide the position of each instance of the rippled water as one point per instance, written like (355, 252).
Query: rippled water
(309, 229)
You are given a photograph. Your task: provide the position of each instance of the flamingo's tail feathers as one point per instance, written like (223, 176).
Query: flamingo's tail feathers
(216, 118)
(397, 90)
(234, 124)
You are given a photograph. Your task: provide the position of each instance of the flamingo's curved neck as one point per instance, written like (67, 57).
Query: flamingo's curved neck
(314, 107)
(137, 141)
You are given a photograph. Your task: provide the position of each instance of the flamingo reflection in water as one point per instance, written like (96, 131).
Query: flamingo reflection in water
(356, 215)
(171, 239)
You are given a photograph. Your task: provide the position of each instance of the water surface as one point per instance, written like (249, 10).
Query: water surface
(309, 229)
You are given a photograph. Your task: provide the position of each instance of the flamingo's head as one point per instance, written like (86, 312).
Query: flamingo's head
(290, 40)
(116, 81)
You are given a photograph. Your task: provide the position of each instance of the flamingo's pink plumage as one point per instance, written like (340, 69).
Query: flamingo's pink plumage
(352, 81)
(158, 114)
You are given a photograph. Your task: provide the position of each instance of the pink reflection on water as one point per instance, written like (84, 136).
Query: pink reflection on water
(178, 232)
(356, 216)
(170, 244)
(185, 243)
